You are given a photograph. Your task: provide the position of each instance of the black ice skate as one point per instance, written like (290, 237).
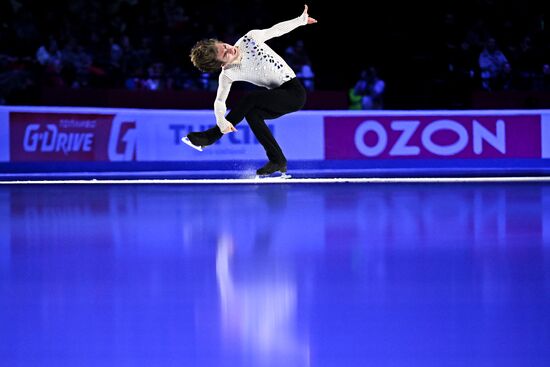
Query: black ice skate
(186, 140)
(195, 141)
(270, 168)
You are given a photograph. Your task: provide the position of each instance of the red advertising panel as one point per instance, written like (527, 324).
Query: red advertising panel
(37, 137)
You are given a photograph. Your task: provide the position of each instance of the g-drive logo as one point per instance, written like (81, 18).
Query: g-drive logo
(386, 137)
(51, 139)
(61, 137)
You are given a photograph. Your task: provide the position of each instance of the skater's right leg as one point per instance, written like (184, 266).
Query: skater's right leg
(261, 131)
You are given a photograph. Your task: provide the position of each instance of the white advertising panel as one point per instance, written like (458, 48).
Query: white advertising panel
(159, 137)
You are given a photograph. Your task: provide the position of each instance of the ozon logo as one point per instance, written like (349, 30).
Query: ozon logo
(122, 141)
(458, 138)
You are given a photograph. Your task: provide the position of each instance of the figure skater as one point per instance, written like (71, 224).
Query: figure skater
(251, 60)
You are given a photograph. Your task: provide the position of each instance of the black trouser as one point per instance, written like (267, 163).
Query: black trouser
(259, 106)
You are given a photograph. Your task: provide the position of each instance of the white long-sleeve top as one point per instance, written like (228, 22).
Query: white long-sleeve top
(259, 65)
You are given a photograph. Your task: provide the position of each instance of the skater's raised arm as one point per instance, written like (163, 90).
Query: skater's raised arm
(262, 35)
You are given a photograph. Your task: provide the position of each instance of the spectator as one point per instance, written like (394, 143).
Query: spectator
(545, 78)
(306, 75)
(51, 60)
(463, 63)
(49, 56)
(16, 79)
(354, 99)
(492, 64)
(527, 64)
(155, 81)
(371, 90)
(299, 62)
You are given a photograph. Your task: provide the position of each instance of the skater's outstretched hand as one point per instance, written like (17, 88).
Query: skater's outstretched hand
(310, 20)
(230, 128)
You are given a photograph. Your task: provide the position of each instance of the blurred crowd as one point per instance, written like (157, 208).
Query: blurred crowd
(503, 48)
(132, 44)
(144, 44)
(449, 50)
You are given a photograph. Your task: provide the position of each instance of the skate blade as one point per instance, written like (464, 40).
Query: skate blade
(186, 140)
(282, 176)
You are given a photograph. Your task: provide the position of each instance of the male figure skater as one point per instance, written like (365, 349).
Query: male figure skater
(251, 60)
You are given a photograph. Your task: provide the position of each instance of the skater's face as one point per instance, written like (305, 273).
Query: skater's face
(227, 53)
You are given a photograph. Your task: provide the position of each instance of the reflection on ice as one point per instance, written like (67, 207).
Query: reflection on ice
(258, 310)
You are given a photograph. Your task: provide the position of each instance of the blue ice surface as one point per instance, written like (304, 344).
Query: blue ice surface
(452, 274)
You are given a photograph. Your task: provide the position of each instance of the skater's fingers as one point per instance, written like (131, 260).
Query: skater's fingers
(229, 129)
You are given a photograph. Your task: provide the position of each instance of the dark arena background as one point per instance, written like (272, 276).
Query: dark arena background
(412, 227)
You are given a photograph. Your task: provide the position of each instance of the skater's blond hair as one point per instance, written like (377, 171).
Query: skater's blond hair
(204, 55)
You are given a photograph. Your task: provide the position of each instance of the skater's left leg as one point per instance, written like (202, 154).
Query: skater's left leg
(206, 137)
(235, 116)
(273, 103)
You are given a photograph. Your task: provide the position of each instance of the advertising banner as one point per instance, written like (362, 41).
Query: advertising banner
(67, 134)
(129, 135)
(71, 137)
(438, 136)
(39, 137)
(545, 135)
(300, 136)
